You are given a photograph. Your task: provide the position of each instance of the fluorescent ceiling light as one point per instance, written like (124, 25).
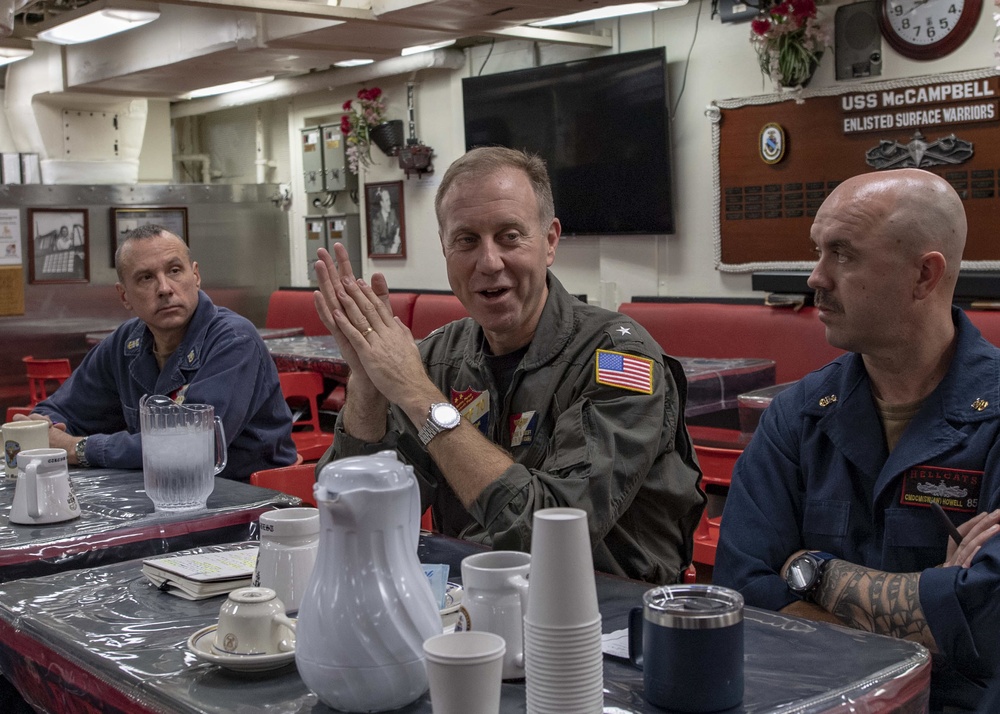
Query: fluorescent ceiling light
(94, 21)
(13, 49)
(353, 62)
(426, 48)
(228, 87)
(603, 13)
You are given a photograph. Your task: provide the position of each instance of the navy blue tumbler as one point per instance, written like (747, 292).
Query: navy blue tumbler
(689, 641)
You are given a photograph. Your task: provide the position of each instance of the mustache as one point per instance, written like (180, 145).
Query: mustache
(823, 299)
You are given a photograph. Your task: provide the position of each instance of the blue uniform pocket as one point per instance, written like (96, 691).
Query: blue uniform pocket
(825, 524)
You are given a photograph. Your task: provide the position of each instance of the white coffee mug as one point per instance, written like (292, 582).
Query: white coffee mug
(20, 436)
(495, 597)
(289, 541)
(42, 493)
(253, 621)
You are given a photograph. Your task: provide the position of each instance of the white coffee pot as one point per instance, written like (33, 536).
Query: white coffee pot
(368, 607)
(42, 494)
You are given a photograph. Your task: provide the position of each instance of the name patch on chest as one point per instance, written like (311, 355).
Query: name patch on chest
(953, 489)
(474, 406)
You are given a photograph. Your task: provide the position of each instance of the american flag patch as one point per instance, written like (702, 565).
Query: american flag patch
(617, 369)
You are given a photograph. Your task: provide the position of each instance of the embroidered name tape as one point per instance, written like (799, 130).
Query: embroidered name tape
(617, 369)
(953, 489)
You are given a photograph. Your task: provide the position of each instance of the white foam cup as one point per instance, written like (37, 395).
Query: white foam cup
(464, 670)
(563, 591)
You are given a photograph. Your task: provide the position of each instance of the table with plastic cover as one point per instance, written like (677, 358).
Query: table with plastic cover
(316, 353)
(118, 522)
(106, 640)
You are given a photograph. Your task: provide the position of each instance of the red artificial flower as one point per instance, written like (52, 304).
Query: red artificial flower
(345, 124)
(760, 26)
(803, 9)
(782, 9)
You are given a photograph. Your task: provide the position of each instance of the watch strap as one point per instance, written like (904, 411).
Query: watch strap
(80, 451)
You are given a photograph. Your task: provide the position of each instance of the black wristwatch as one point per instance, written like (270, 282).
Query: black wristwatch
(80, 450)
(805, 572)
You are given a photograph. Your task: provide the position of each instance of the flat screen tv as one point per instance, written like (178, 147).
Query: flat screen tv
(602, 126)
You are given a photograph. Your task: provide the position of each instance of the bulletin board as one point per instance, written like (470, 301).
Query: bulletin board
(777, 157)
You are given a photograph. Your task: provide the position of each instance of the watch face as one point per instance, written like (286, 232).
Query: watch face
(446, 415)
(801, 574)
(928, 29)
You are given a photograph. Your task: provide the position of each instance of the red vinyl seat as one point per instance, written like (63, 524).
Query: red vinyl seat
(302, 390)
(297, 480)
(42, 371)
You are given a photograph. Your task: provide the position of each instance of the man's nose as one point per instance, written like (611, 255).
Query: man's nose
(817, 278)
(489, 259)
(163, 285)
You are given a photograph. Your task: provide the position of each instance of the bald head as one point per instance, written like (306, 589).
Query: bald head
(912, 211)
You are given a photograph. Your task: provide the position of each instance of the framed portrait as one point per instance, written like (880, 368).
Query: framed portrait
(58, 250)
(123, 220)
(385, 222)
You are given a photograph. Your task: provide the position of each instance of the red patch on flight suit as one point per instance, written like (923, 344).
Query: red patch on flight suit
(474, 406)
(953, 489)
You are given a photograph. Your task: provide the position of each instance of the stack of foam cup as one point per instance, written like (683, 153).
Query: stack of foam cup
(563, 661)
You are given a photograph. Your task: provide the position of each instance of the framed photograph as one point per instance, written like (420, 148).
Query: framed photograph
(385, 222)
(123, 220)
(57, 246)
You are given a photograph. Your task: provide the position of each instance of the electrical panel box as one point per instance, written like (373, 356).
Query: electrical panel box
(312, 159)
(337, 175)
(324, 231)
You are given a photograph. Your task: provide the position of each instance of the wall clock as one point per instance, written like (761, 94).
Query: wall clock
(928, 29)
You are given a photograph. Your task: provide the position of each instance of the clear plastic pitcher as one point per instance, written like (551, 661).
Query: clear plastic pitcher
(179, 461)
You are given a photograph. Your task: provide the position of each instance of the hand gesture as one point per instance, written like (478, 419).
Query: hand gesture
(975, 532)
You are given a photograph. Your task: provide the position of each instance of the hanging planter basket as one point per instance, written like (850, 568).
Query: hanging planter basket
(388, 136)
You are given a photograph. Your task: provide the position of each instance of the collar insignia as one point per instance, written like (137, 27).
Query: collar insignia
(625, 330)
(828, 400)
(190, 357)
(132, 344)
(980, 404)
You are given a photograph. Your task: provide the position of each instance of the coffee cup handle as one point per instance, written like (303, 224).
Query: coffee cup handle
(635, 622)
(31, 484)
(285, 645)
(521, 583)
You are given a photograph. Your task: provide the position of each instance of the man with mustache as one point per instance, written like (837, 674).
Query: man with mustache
(829, 515)
(537, 400)
(180, 345)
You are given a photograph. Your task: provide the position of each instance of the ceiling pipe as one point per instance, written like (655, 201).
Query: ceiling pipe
(324, 80)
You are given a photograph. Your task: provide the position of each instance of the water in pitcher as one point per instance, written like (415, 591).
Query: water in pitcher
(178, 469)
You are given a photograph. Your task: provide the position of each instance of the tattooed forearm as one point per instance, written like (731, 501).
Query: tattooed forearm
(875, 601)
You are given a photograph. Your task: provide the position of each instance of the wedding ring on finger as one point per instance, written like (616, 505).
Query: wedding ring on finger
(365, 333)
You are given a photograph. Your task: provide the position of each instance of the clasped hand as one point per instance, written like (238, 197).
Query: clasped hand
(377, 346)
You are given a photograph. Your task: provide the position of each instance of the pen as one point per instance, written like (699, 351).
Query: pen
(946, 522)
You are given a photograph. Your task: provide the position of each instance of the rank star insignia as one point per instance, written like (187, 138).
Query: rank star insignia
(625, 330)
(980, 404)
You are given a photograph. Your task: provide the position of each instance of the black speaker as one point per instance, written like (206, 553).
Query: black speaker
(858, 40)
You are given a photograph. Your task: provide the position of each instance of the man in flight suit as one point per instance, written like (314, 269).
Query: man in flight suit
(538, 400)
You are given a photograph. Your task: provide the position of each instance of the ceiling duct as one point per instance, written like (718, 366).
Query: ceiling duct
(324, 80)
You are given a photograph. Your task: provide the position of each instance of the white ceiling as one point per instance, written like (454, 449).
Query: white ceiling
(200, 43)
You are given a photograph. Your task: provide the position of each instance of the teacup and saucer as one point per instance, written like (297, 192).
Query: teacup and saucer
(253, 633)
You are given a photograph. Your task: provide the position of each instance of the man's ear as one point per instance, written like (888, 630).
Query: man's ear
(933, 266)
(555, 230)
(197, 275)
(120, 289)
